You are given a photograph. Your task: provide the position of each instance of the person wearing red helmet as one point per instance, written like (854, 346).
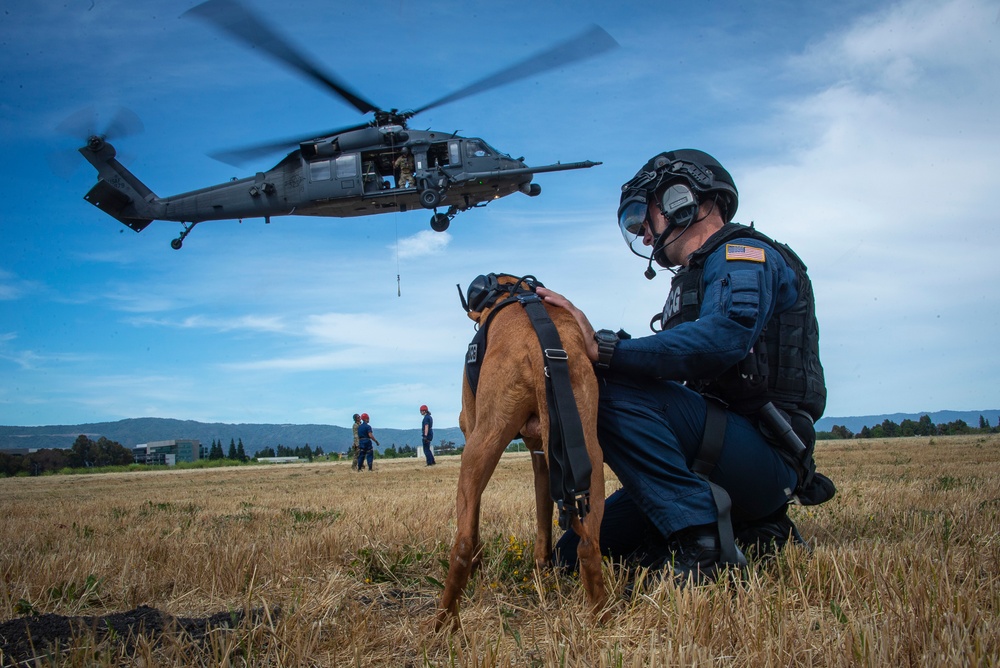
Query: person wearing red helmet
(365, 437)
(427, 435)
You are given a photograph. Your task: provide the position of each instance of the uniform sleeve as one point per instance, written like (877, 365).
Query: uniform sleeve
(741, 294)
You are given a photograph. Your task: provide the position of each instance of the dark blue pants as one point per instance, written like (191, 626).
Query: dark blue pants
(365, 453)
(650, 432)
(428, 454)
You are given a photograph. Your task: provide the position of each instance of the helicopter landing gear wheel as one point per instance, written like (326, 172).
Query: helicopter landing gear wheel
(440, 222)
(179, 241)
(430, 198)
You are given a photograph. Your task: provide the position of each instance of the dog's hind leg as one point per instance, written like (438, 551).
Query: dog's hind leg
(479, 459)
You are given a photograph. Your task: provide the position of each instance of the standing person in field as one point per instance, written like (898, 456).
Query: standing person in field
(708, 422)
(427, 435)
(366, 452)
(354, 448)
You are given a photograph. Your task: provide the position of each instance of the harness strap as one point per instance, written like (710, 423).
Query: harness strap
(477, 349)
(569, 462)
(712, 440)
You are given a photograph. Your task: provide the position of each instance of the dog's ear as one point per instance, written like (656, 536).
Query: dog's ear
(475, 316)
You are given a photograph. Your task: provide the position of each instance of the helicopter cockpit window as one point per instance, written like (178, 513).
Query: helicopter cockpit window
(475, 148)
(319, 170)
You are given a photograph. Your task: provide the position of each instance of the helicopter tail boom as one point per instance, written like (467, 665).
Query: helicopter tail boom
(558, 167)
(118, 192)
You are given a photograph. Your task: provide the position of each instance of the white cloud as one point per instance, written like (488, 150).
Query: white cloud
(243, 323)
(888, 196)
(425, 242)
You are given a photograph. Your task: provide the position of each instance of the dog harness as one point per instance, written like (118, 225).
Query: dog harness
(569, 463)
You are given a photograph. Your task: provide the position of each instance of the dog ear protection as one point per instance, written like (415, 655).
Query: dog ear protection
(479, 292)
(484, 290)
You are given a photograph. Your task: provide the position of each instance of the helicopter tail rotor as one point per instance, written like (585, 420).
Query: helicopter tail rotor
(94, 128)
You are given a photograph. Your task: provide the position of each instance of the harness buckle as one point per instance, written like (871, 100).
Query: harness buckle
(579, 506)
(582, 504)
(556, 354)
(527, 297)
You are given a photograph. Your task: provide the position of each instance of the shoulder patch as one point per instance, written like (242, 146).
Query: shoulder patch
(744, 253)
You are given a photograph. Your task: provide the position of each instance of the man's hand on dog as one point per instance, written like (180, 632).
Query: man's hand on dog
(556, 299)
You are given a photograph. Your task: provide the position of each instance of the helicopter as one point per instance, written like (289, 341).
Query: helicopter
(345, 172)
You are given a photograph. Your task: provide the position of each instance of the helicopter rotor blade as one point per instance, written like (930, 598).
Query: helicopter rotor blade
(124, 123)
(232, 17)
(591, 42)
(80, 124)
(85, 123)
(237, 157)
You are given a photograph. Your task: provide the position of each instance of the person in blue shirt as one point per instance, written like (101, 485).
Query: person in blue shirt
(708, 422)
(365, 437)
(354, 448)
(427, 435)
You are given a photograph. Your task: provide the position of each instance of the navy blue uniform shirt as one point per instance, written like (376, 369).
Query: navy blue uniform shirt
(740, 297)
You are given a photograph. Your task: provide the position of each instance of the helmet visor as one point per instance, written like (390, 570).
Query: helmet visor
(633, 216)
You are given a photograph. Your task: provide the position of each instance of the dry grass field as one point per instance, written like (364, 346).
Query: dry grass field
(317, 565)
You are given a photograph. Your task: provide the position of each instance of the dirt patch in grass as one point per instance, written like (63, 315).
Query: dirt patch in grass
(24, 638)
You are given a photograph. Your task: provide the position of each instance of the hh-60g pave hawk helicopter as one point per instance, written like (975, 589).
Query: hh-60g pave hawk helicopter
(343, 172)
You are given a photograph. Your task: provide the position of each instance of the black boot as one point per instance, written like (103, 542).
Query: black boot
(767, 536)
(689, 554)
(697, 555)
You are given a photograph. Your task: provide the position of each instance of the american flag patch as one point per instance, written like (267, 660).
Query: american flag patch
(746, 253)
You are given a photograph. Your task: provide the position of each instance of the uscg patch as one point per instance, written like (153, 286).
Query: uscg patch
(745, 253)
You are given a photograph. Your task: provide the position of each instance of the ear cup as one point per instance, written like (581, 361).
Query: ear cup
(679, 205)
(479, 291)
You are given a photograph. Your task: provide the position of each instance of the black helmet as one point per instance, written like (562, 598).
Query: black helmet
(682, 179)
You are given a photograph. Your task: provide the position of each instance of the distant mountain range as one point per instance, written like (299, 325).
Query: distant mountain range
(337, 439)
(255, 437)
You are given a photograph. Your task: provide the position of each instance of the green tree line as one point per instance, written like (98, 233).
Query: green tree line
(402, 452)
(302, 452)
(85, 453)
(921, 427)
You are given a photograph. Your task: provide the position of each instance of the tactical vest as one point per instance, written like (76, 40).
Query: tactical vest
(783, 365)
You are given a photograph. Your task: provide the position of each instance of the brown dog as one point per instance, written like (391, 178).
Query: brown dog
(511, 399)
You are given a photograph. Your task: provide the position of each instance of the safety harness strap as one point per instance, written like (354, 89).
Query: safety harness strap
(569, 462)
(712, 440)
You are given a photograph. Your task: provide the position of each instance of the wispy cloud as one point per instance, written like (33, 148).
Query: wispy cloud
(14, 287)
(247, 323)
(426, 242)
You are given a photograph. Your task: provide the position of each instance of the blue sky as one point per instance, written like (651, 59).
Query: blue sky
(863, 134)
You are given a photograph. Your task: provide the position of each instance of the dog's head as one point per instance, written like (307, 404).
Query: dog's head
(486, 290)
